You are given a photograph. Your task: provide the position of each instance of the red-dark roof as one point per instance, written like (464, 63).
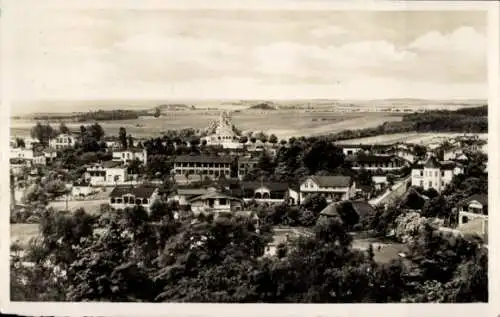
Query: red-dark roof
(332, 181)
(330, 211)
(203, 159)
(481, 198)
(139, 191)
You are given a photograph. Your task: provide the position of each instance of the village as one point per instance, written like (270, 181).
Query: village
(223, 172)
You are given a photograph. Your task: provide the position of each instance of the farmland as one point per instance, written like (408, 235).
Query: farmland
(283, 123)
(410, 137)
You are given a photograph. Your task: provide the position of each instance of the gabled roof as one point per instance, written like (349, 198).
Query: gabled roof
(214, 195)
(273, 186)
(332, 181)
(362, 208)
(330, 211)
(480, 198)
(139, 191)
(432, 162)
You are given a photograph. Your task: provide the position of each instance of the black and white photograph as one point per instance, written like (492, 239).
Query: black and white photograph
(247, 155)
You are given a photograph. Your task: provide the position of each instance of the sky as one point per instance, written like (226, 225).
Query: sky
(248, 54)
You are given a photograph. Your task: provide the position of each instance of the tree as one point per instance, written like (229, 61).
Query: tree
(130, 141)
(122, 135)
(157, 113)
(43, 132)
(63, 129)
(273, 139)
(315, 203)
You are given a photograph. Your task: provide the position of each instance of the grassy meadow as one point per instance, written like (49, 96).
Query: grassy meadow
(283, 123)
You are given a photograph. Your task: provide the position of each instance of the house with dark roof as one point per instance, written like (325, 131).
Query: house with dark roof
(433, 173)
(474, 209)
(271, 192)
(352, 211)
(333, 188)
(215, 201)
(189, 168)
(122, 197)
(382, 162)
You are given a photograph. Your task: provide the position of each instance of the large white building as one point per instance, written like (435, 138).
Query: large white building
(333, 188)
(224, 134)
(62, 141)
(198, 167)
(128, 155)
(109, 174)
(434, 174)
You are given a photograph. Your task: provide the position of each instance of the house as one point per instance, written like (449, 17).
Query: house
(112, 142)
(434, 174)
(109, 174)
(245, 165)
(128, 155)
(406, 155)
(21, 153)
(224, 134)
(39, 159)
(29, 143)
(384, 163)
(199, 167)
(183, 195)
(82, 189)
(452, 154)
(62, 141)
(270, 192)
(474, 209)
(359, 209)
(122, 197)
(215, 201)
(358, 149)
(50, 154)
(333, 188)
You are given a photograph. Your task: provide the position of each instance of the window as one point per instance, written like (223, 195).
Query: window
(145, 201)
(125, 199)
(465, 219)
(442, 173)
(436, 173)
(112, 200)
(222, 201)
(118, 200)
(430, 183)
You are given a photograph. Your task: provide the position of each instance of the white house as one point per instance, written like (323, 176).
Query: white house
(21, 153)
(39, 159)
(474, 209)
(224, 134)
(62, 141)
(50, 154)
(385, 163)
(127, 155)
(434, 174)
(82, 189)
(215, 202)
(109, 174)
(122, 197)
(333, 188)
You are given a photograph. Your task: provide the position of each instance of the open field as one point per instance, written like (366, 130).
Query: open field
(90, 206)
(22, 233)
(410, 137)
(284, 124)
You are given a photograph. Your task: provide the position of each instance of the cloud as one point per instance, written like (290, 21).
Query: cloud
(330, 30)
(462, 40)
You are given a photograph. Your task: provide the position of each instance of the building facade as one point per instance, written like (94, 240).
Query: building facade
(129, 155)
(189, 168)
(62, 141)
(122, 197)
(434, 174)
(245, 165)
(109, 175)
(384, 163)
(224, 134)
(333, 188)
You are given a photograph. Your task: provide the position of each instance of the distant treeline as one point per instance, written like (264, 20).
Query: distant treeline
(99, 115)
(466, 120)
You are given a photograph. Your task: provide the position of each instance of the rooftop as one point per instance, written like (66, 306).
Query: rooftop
(480, 198)
(138, 191)
(332, 181)
(273, 186)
